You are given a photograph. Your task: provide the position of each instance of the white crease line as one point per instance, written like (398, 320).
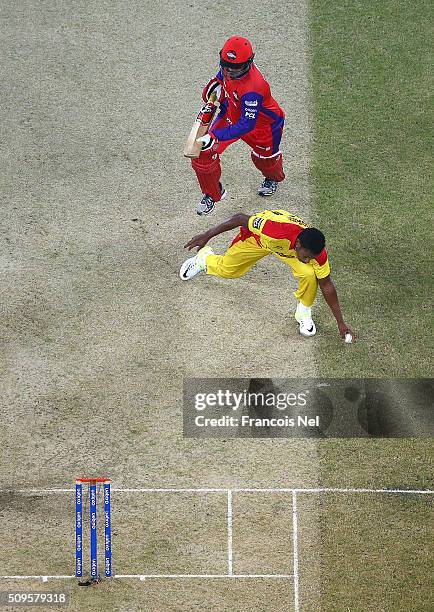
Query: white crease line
(235, 490)
(146, 576)
(180, 490)
(230, 552)
(45, 578)
(340, 490)
(295, 551)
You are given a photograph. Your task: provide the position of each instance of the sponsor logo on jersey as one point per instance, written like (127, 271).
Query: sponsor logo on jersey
(252, 103)
(250, 115)
(257, 222)
(284, 255)
(297, 220)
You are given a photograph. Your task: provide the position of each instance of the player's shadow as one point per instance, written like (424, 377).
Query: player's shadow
(318, 405)
(395, 408)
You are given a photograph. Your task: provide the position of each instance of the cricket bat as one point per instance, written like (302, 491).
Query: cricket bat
(201, 126)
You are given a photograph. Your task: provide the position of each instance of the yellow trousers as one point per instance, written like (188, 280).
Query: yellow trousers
(241, 256)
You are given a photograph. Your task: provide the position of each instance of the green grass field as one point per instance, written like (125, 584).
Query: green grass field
(371, 83)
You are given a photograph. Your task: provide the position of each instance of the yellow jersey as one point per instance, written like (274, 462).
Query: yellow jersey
(276, 231)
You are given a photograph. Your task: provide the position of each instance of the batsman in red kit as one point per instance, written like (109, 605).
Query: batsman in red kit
(247, 112)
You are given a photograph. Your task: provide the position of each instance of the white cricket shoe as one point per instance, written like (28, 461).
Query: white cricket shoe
(207, 204)
(268, 187)
(195, 265)
(307, 327)
(303, 315)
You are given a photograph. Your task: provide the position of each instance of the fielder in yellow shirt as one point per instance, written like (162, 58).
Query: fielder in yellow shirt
(279, 233)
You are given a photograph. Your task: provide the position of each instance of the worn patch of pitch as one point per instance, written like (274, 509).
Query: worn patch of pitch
(97, 203)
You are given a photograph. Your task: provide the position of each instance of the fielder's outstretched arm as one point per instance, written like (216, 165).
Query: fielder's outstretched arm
(331, 297)
(199, 241)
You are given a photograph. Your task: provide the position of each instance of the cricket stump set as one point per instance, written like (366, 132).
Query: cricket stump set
(93, 499)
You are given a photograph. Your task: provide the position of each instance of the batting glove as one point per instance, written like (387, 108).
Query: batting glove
(213, 86)
(207, 142)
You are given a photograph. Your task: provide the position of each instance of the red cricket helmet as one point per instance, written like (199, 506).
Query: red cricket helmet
(237, 52)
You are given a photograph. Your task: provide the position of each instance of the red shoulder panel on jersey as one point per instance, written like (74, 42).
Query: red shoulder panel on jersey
(243, 234)
(282, 231)
(322, 257)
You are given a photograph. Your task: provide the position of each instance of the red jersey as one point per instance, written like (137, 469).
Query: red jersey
(248, 105)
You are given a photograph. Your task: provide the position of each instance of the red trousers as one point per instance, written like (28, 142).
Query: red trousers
(265, 154)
